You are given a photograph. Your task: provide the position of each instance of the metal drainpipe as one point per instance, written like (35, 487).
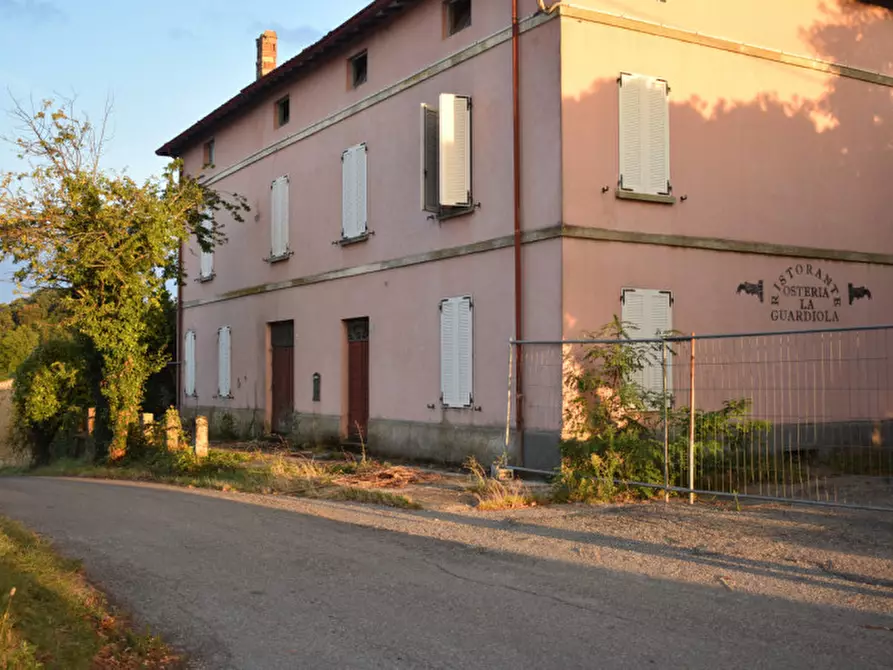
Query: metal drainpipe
(516, 117)
(179, 344)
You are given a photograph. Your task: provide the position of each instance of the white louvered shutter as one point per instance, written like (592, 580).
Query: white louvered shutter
(449, 376)
(644, 135)
(455, 150)
(189, 364)
(650, 312)
(279, 218)
(635, 323)
(224, 365)
(353, 192)
(464, 346)
(456, 354)
(430, 163)
(206, 260)
(660, 307)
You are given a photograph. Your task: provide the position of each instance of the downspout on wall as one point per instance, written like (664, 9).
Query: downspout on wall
(178, 345)
(519, 332)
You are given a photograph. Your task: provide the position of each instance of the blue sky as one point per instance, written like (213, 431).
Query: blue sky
(164, 63)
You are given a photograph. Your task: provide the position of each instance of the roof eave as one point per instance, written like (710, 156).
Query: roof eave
(363, 21)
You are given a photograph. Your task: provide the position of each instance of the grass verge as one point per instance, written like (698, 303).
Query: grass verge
(235, 471)
(52, 618)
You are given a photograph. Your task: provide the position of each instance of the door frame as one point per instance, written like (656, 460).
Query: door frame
(347, 324)
(268, 367)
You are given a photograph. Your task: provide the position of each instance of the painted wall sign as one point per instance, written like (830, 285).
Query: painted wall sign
(804, 293)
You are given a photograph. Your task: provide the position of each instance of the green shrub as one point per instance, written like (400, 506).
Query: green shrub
(51, 396)
(619, 426)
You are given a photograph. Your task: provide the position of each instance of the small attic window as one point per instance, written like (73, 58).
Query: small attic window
(457, 15)
(208, 153)
(283, 112)
(359, 69)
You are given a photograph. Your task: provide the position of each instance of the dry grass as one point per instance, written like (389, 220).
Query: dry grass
(54, 619)
(250, 473)
(493, 494)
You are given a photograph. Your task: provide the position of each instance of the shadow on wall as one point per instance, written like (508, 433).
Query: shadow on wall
(805, 167)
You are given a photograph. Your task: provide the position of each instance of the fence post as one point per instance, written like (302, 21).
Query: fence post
(666, 402)
(691, 428)
(508, 409)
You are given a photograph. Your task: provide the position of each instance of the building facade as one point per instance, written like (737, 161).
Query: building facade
(427, 183)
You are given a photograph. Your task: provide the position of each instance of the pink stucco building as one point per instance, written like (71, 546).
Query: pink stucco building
(426, 183)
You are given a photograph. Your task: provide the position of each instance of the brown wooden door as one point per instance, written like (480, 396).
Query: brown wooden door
(357, 378)
(282, 337)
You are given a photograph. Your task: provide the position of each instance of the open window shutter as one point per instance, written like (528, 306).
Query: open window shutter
(455, 151)
(644, 135)
(206, 268)
(657, 137)
(189, 364)
(224, 348)
(430, 142)
(279, 217)
(353, 191)
(464, 346)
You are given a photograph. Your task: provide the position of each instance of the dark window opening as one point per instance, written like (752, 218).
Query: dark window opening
(359, 69)
(208, 153)
(283, 112)
(458, 15)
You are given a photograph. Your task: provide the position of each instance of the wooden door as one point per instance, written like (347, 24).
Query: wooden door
(357, 378)
(282, 336)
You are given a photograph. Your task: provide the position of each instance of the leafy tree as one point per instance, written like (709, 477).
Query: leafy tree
(15, 346)
(107, 243)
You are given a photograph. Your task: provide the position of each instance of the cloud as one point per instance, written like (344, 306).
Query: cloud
(299, 36)
(31, 11)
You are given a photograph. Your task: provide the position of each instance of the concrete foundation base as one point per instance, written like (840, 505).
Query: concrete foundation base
(434, 442)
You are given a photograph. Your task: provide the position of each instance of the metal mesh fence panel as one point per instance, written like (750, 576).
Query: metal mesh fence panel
(804, 416)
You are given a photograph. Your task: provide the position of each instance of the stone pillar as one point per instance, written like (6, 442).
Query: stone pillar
(201, 436)
(148, 422)
(172, 431)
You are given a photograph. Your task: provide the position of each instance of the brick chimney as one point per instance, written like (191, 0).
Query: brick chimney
(266, 53)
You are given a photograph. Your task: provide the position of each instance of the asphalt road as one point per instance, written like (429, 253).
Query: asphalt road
(244, 585)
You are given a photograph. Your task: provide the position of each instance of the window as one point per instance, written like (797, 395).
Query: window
(456, 359)
(224, 351)
(279, 220)
(644, 136)
(189, 364)
(206, 258)
(208, 154)
(358, 68)
(353, 193)
(446, 156)
(649, 314)
(283, 112)
(457, 14)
